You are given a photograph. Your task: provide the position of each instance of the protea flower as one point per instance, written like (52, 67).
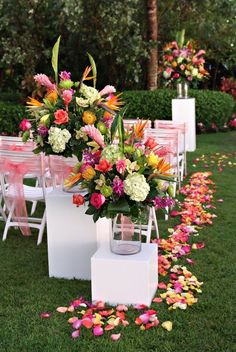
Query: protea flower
(94, 134)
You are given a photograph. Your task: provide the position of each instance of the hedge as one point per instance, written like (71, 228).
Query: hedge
(211, 106)
(10, 117)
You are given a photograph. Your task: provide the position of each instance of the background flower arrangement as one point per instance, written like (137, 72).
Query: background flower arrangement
(124, 177)
(181, 62)
(70, 112)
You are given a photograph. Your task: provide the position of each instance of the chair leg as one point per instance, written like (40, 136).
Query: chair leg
(7, 225)
(33, 208)
(42, 227)
(154, 218)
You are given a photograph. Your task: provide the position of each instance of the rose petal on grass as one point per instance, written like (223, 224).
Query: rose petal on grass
(168, 325)
(115, 337)
(75, 334)
(62, 309)
(122, 308)
(98, 330)
(162, 285)
(157, 300)
(140, 306)
(45, 315)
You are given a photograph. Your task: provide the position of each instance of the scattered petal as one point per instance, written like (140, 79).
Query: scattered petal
(98, 330)
(62, 309)
(115, 337)
(157, 300)
(168, 325)
(75, 334)
(45, 315)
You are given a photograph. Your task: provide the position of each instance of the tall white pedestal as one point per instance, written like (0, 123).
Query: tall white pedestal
(183, 110)
(128, 279)
(72, 237)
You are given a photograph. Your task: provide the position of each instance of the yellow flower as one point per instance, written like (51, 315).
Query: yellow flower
(89, 117)
(167, 325)
(52, 97)
(88, 173)
(152, 159)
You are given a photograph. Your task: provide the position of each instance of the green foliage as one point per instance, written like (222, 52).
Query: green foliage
(10, 117)
(211, 106)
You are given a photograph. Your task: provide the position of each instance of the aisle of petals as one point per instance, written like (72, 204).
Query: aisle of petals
(182, 285)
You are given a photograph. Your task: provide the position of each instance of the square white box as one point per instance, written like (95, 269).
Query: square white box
(72, 237)
(127, 279)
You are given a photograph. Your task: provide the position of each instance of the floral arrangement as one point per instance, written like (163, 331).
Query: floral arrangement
(63, 121)
(123, 177)
(181, 63)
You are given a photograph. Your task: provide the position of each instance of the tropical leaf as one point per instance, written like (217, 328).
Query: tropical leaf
(55, 52)
(94, 69)
(120, 206)
(180, 37)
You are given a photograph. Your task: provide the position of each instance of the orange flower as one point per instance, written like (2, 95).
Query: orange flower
(89, 117)
(103, 166)
(114, 103)
(33, 103)
(52, 97)
(71, 180)
(86, 73)
(88, 173)
(163, 166)
(139, 128)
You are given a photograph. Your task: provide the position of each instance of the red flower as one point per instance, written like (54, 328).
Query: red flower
(78, 199)
(103, 166)
(61, 117)
(97, 200)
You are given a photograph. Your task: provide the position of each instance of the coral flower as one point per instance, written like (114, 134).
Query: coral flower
(61, 117)
(103, 166)
(78, 199)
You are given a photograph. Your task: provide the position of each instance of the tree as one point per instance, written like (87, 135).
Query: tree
(152, 36)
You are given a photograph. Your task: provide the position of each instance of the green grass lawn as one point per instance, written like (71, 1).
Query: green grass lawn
(26, 290)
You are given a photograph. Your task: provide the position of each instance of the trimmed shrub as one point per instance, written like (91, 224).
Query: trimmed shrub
(10, 117)
(211, 106)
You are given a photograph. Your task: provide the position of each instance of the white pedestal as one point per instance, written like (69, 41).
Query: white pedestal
(72, 237)
(183, 110)
(127, 279)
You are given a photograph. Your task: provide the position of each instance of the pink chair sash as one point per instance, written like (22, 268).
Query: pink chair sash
(15, 173)
(59, 169)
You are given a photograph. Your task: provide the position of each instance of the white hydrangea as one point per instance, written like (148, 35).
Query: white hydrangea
(58, 138)
(136, 186)
(91, 94)
(111, 153)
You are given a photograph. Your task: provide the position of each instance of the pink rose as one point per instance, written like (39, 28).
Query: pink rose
(61, 117)
(176, 75)
(97, 200)
(121, 166)
(67, 96)
(25, 125)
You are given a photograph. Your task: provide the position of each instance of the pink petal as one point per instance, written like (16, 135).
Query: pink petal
(200, 245)
(220, 200)
(75, 334)
(72, 320)
(122, 308)
(98, 330)
(45, 315)
(109, 327)
(140, 306)
(62, 309)
(77, 324)
(115, 337)
(162, 285)
(190, 261)
(157, 300)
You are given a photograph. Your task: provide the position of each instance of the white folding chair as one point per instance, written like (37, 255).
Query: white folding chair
(182, 128)
(12, 143)
(34, 165)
